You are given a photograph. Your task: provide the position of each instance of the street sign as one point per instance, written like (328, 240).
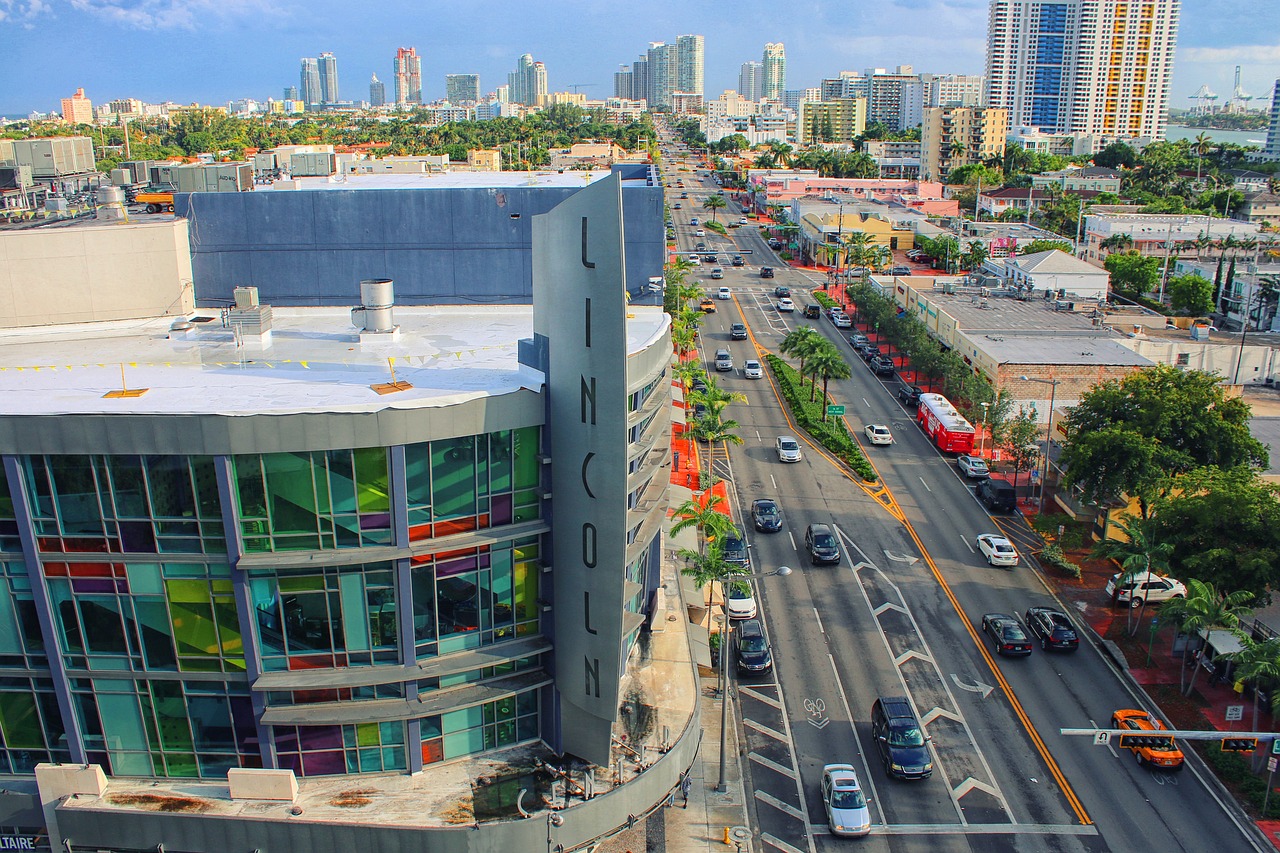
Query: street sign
(1102, 738)
(835, 411)
(1235, 713)
(1271, 764)
(1275, 746)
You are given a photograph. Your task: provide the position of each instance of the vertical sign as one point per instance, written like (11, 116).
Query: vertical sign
(580, 310)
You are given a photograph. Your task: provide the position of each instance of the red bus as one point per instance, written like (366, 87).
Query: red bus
(944, 425)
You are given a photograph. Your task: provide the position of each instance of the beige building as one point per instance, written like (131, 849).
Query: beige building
(841, 120)
(485, 159)
(951, 137)
(1260, 207)
(77, 109)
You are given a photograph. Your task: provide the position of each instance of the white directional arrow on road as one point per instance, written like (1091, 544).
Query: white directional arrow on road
(976, 687)
(901, 558)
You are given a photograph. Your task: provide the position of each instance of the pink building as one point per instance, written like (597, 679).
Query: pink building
(773, 186)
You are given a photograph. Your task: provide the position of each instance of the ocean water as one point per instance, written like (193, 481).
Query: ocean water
(1256, 138)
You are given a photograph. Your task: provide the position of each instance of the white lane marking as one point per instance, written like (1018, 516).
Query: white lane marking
(865, 403)
(926, 485)
(746, 690)
(758, 438)
(967, 543)
(862, 756)
(775, 488)
(1111, 749)
(774, 841)
(818, 619)
(780, 805)
(793, 540)
(766, 731)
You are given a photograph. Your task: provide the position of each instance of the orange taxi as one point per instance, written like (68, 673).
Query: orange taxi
(1159, 751)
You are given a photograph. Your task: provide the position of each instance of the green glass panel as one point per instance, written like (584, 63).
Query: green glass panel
(500, 462)
(372, 479)
(392, 733)
(194, 630)
(525, 591)
(525, 450)
(356, 624)
(300, 583)
(370, 760)
(188, 590)
(341, 481)
(170, 710)
(181, 764)
(125, 736)
(156, 632)
(128, 486)
(417, 477)
(453, 478)
(77, 495)
(463, 743)
(20, 721)
(393, 758)
(232, 644)
(144, 579)
(456, 721)
(367, 734)
(250, 492)
(10, 632)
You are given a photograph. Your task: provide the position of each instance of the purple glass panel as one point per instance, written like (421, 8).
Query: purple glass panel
(93, 585)
(449, 568)
(242, 721)
(323, 764)
(500, 510)
(375, 521)
(286, 738)
(319, 737)
(290, 761)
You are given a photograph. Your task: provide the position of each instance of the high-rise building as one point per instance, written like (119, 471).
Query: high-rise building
(408, 76)
(328, 78)
(842, 120)
(954, 90)
(884, 94)
(310, 81)
(528, 83)
(664, 71)
(622, 79)
(640, 78)
(1272, 151)
(689, 52)
(751, 81)
(462, 88)
(1092, 69)
(951, 137)
(377, 92)
(775, 70)
(77, 109)
(290, 93)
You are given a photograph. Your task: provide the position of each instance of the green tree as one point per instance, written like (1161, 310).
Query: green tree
(1258, 665)
(714, 430)
(1020, 437)
(714, 203)
(1190, 294)
(801, 344)
(828, 363)
(1117, 155)
(706, 517)
(1132, 274)
(1045, 245)
(1140, 552)
(1204, 610)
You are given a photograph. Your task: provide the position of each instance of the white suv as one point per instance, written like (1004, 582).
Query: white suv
(1146, 587)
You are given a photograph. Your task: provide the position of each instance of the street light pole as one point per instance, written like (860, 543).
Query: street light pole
(982, 438)
(782, 571)
(1048, 435)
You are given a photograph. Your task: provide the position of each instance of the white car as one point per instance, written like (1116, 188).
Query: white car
(846, 804)
(1145, 587)
(974, 466)
(699, 233)
(741, 603)
(694, 259)
(753, 370)
(788, 449)
(722, 293)
(742, 221)
(997, 550)
(879, 434)
(785, 305)
(842, 321)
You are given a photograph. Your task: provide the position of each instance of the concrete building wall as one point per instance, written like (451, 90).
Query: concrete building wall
(94, 273)
(443, 246)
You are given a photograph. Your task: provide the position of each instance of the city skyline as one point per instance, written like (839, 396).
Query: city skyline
(934, 36)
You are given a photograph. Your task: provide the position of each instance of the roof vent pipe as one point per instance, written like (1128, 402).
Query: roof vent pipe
(377, 301)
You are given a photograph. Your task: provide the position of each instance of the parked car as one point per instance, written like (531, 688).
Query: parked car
(910, 394)
(1006, 634)
(844, 802)
(751, 649)
(786, 306)
(1053, 628)
(766, 272)
(879, 434)
(997, 550)
(973, 466)
(997, 495)
(1153, 749)
(900, 270)
(781, 290)
(870, 351)
(765, 516)
(842, 321)
(882, 365)
(858, 339)
(774, 243)
(752, 370)
(740, 602)
(734, 552)
(738, 332)
(699, 384)
(788, 449)
(1147, 587)
(821, 544)
(901, 743)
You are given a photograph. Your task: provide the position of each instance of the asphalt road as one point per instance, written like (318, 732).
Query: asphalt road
(901, 615)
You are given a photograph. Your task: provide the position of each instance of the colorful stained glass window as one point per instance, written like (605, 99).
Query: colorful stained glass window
(30, 725)
(336, 750)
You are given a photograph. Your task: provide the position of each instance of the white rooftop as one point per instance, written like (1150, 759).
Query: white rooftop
(315, 363)
(442, 181)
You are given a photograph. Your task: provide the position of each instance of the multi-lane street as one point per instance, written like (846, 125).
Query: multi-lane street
(900, 616)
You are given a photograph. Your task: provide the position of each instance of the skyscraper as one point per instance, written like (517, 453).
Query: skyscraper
(640, 78)
(310, 82)
(622, 82)
(528, 83)
(462, 88)
(377, 92)
(751, 81)
(1096, 69)
(1272, 151)
(663, 73)
(291, 93)
(77, 109)
(689, 52)
(328, 78)
(775, 70)
(408, 74)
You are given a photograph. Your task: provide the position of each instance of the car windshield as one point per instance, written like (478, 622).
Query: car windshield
(787, 444)
(766, 510)
(906, 736)
(1013, 632)
(848, 799)
(752, 644)
(739, 592)
(824, 540)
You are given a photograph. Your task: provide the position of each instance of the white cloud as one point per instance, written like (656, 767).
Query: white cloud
(22, 12)
(1235, 55)
(142, 14)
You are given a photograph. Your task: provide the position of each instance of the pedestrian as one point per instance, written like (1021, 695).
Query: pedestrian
(685, 785)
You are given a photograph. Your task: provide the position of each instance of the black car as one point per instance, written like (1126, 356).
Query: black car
(738, 261)
(738, 332)
(1006, 634)
(910, 394)
(765, 515)
(902, 744)
(751, 648)
(781, 291)
(997, 495)
(882, 366)
(870, 351)
(766, 272)
(821, 544)
(1053, 628)
(734, 552)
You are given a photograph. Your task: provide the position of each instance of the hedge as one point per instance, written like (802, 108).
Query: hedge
(832, 433)
(825, 301)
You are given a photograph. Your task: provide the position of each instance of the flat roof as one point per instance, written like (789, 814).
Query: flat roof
(999, 314)
(315, 362)
(442, 181)
(1060, 349)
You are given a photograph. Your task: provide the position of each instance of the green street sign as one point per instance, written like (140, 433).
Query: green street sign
(835, 411)
(1275, 747)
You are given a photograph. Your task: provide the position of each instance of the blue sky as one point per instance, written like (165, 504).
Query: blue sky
(212, 51)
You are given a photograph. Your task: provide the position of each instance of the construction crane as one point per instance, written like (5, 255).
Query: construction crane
(576, 86)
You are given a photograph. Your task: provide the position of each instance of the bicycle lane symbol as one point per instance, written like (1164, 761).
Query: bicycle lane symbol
(817, 711)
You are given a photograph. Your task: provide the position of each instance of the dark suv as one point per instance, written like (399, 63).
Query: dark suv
(1053, 628)
(766, 272)
(735, 552)
(902, 744)
(997, 495)
(910, 394)
(738, 332)
(821, 544)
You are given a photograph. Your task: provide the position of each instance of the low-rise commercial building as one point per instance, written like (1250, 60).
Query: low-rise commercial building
(1095, 179)
(1161, 234)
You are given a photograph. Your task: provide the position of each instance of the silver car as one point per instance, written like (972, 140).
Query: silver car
(974, 466)
(788, 449)
(845, 803)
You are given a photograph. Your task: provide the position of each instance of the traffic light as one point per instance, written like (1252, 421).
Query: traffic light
(1239, 744)
(1161, 742)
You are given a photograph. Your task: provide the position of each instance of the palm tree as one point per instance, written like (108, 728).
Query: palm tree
(1204, 610)
(714, 430)
(1201, 146)
(714, 203)
(1258, 664)
(856, 244)
(706, 517)
(1117, 243)
(880, 256)
(716, 398)
(976, 255)
(686, 372)
(802, 343)
(829, 364)
(1138, 555)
